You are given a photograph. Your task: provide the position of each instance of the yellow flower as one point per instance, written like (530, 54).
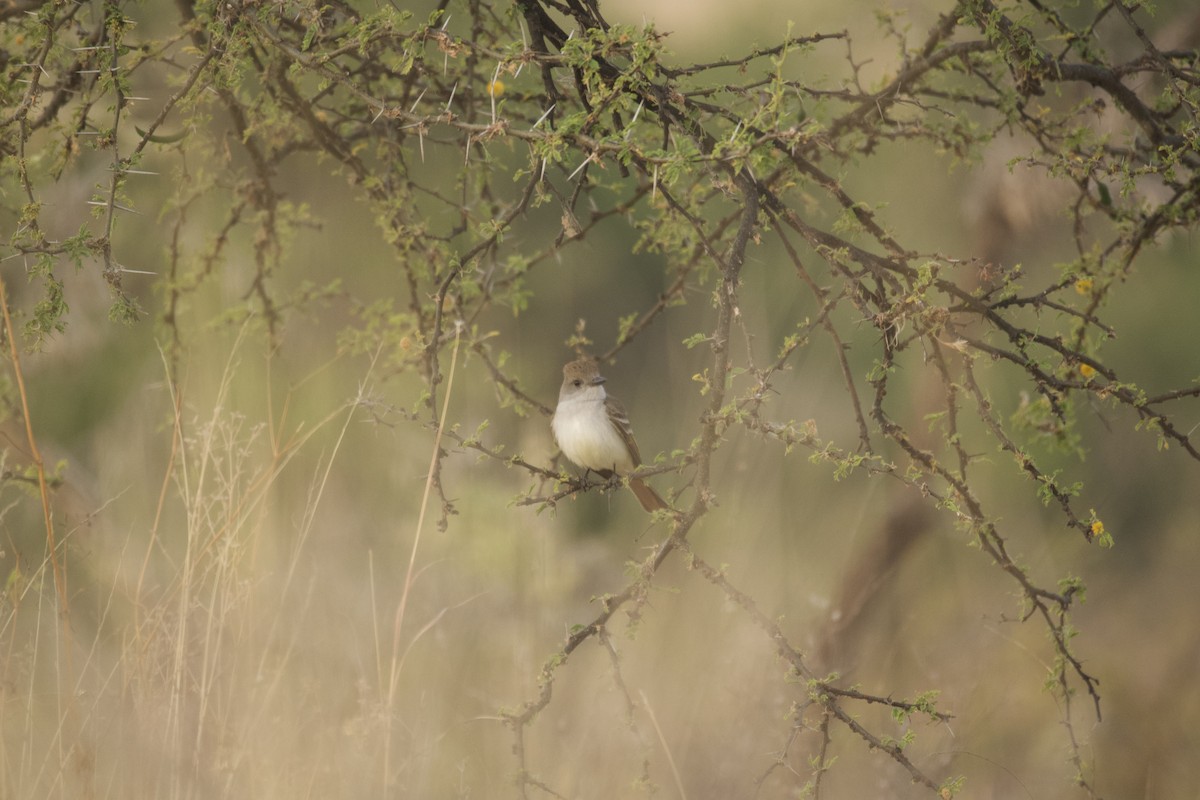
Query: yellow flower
(496, 88)
(1087, 370)
(1083, 285)
(1097, 528)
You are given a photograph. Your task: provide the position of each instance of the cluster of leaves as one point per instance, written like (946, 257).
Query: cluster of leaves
(594, 120)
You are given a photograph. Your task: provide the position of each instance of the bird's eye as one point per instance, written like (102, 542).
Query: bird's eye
(578, 382)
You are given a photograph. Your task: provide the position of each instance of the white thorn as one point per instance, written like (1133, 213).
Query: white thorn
(492, 91)
(637, 113)
(579, 168)
(544, 115)
(414, 105)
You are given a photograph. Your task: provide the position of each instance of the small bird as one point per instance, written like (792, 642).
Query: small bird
(593, 430)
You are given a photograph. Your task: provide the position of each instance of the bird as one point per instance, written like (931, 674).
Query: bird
(593, 431)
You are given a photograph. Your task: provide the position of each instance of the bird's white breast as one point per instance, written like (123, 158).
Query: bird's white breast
(587, 436)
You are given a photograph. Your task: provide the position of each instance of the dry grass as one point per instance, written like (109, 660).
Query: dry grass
(260, 633)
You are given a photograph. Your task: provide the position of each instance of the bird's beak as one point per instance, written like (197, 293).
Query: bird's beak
(599, 379)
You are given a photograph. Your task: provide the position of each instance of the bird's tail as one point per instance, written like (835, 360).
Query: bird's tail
(650, 499)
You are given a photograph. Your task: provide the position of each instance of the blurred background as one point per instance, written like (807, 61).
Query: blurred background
(236, 568)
